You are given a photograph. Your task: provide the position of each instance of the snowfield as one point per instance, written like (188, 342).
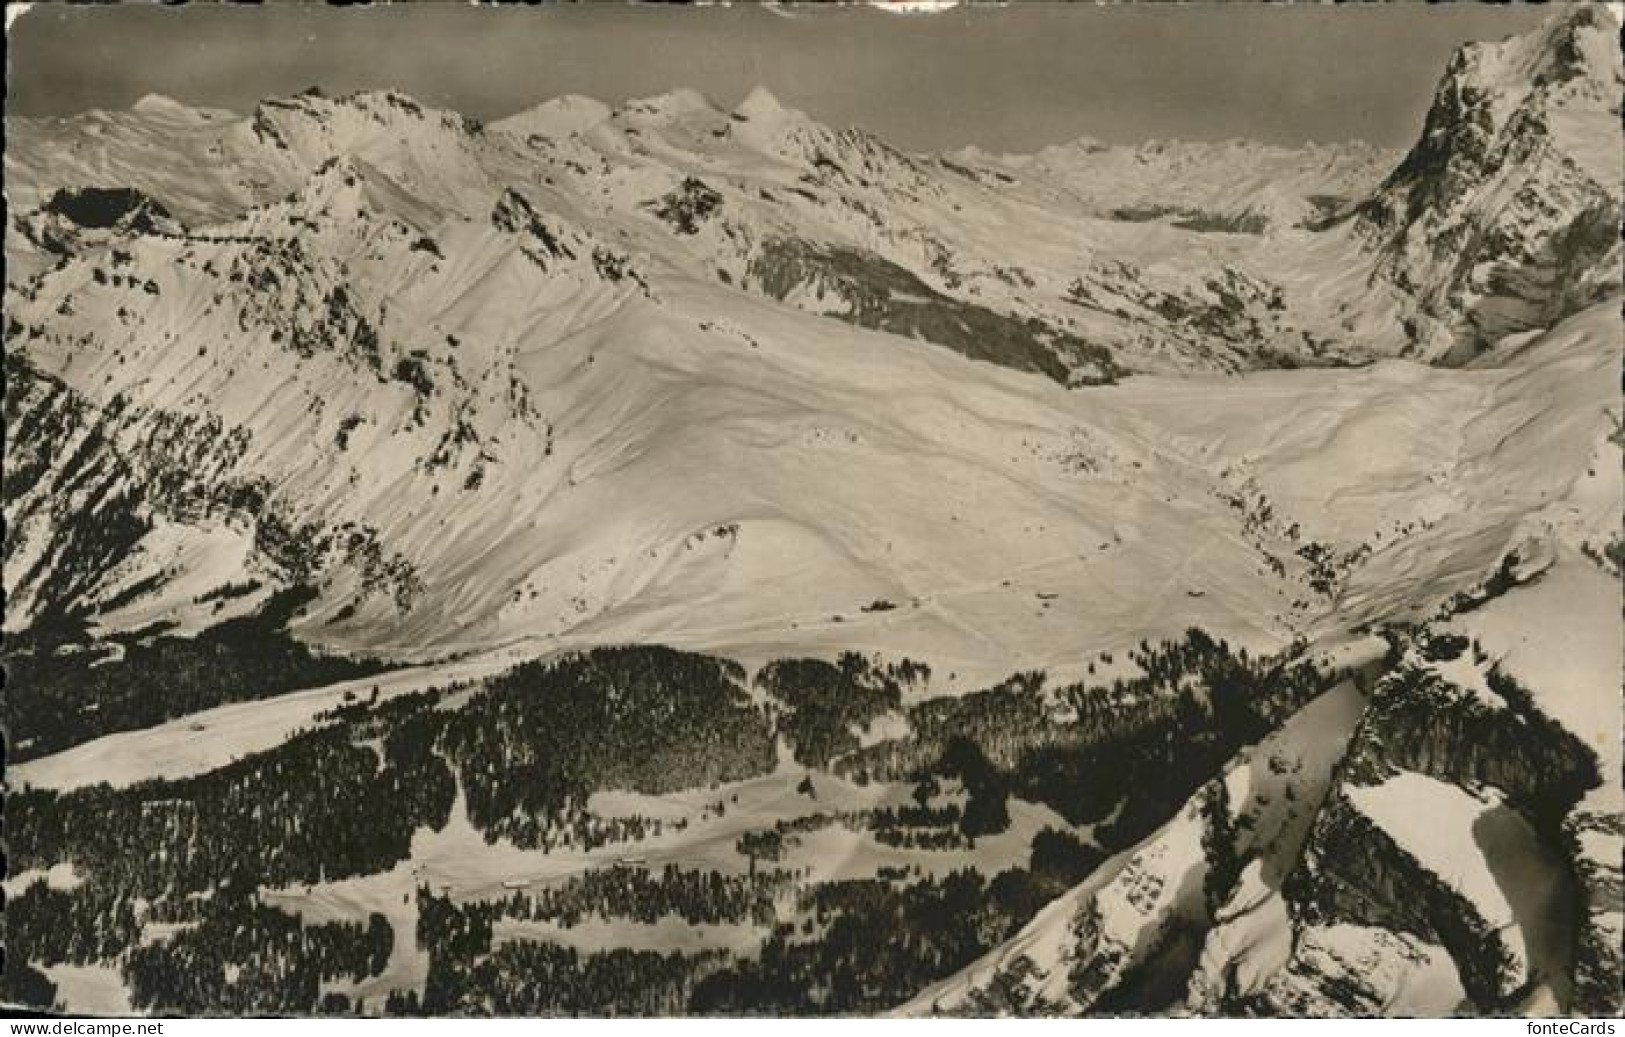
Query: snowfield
(1026, 432)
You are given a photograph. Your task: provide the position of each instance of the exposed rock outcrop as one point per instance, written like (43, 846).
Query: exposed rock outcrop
(1505, 215)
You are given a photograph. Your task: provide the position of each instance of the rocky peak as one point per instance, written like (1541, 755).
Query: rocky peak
(351, 120)
(557, 117)
(1575, 44)
(1502, 217)
(160, 104)
(760, 104)
(671, 105)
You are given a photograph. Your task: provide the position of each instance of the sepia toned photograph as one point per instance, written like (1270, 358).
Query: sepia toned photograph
(893, 510)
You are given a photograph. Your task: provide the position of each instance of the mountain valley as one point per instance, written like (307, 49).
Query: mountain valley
(649, 559)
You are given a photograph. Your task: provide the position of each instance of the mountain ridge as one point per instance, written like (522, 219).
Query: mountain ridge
(1279, 487)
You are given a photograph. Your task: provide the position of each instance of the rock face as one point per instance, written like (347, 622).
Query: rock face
(103, 208)
(1505, 215)
(1595, 843)
(1454, 773)
(1358, 972)
(1356, 872)
(86, 485)
(1193, 916)
(1484, 731)
(1425, 848)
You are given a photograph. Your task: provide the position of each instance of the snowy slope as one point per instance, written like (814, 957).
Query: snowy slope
(731, 380)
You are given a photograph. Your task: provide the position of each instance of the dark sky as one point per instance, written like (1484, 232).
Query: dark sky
(1012, 78)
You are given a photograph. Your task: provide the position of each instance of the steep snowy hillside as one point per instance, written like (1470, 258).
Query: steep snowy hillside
(1175, 578)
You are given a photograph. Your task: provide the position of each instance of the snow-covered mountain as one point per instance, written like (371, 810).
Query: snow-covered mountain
(389, 387)
(1505, 215)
